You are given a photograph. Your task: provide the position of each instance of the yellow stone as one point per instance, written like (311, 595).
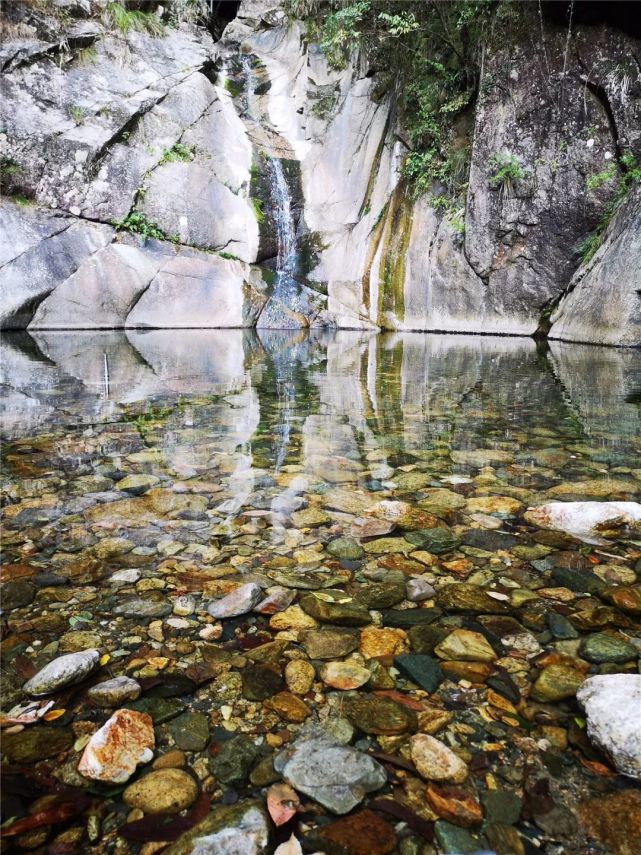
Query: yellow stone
(292, 618)
(382, 642)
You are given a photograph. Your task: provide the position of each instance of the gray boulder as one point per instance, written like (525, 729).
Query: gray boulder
(62, 672)
(336, 776)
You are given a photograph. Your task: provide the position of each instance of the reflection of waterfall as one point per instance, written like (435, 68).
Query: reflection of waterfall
(286, 397)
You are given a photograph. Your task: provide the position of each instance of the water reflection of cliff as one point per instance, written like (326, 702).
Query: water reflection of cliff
(315, 396)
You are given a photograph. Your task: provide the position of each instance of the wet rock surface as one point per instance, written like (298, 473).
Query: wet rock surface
(427, 668)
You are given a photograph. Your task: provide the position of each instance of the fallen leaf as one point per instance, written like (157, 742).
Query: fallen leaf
(52, 715)
(104, 659)
(282, 803)
(59, 813)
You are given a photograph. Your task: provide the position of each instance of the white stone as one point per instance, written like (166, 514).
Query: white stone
(239, 602)
(61, 672)
(612, 704)
(587, 521)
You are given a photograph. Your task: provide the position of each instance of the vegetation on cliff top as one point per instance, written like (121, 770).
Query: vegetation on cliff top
(428, 54)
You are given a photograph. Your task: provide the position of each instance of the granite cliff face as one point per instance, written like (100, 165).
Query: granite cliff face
(209, 154)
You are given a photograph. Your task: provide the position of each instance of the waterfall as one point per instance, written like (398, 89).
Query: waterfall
(281, 199)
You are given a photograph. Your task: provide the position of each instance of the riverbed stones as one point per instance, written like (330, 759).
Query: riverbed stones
(118, 747)
(165, 791)
(234, 760)
(337, 613)
(344, 675)
(557, 682)
(421, 669)
(379, 715)
(139, 607)
(467, 597)
(190, 731)
(239, 602)
(299, 676)
(465, 646)
(434, 761)
(336, 776)
(591, 522)
(329, 643)
(612, 704)
(240, 829)
(345, 549)
(35, 743)
(361, 833)
(62, 672)
(114, 692)
(602, 647)
(376, 643)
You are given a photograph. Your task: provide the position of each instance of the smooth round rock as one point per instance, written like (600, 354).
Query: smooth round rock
(113, 693)
(299, 676)
(61, 672)
(344, 675)
(435, 761)
(165, 791)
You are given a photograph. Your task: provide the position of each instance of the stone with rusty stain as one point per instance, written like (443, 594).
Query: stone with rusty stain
(122, 743)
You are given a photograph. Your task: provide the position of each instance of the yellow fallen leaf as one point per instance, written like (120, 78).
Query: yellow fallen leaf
(104, 659)
(80, 743)
(52, 715)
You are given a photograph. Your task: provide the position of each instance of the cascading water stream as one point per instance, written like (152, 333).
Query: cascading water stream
(285, 288)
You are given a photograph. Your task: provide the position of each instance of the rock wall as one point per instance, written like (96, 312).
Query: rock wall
(153, 131)
(602, 304)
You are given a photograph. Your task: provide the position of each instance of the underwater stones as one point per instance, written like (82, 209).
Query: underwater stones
(406, 618)
(490, 541)
(239, 602)
(118, 747)
(560, 626)
(289, 707)
(309, 580)
(261, 681)
(379, 715)
(421, 669)
(434, 761)
(481, 457)
(35, 743)
(454, 804)
(340, 614)
(591, 522)
(418, 589)
(336, 776)
(64, 671)
(344, 675)
(310, 518)
(557, 682)
(114, 692)
(77, 641)
(299, 676)
(466, 646)
(16, 594)
(292, 617)
(361, 833)
(164, 791)
(345, 549)
(466, 597)
(234, 760)
(240, 829)
(190, 731)
(597, 488)
(382, 595)
(494, 505)
(139, 607)
(607, 647)
(328, 643)
(612, 704)
(385, 545)
(375, 642)
(628, 599)
(138, 484)
(437, 540)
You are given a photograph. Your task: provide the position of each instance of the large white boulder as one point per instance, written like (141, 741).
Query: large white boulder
(591, 522)
(612, 704)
